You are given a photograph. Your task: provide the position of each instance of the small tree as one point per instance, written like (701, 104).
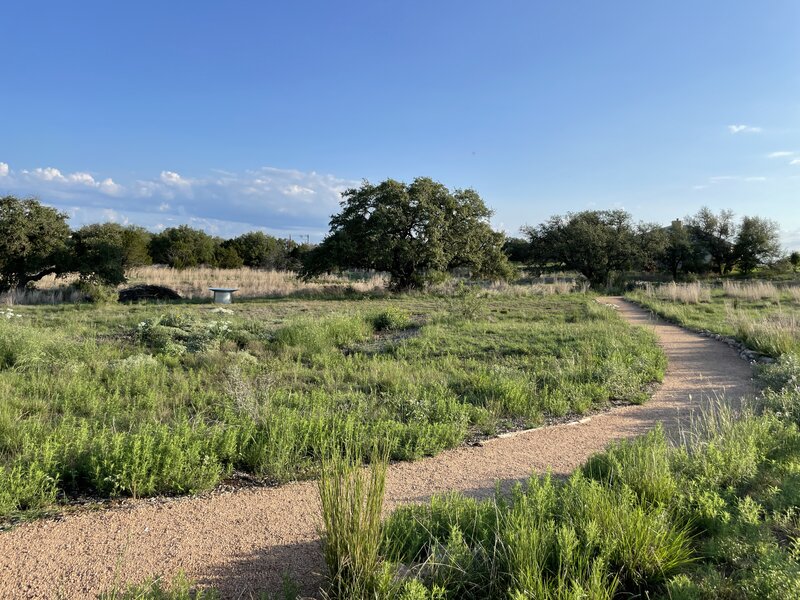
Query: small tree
(517, 249)
(679, 252)
(412, 232)
(794, 259)
(103, 252)
(259, 250)
(716, 235)
(226, 257)
(182, 247)
(757, 243)
(33, 240)
(136, 244)
(595, 243)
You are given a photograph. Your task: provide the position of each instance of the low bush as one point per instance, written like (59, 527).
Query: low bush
(391, 319)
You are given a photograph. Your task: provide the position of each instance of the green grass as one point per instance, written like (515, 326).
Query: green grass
(770, 325)
(351, 497)
(717, 516)
(109, 401)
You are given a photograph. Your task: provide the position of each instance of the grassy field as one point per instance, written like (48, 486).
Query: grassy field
(109, 400)
(716, 517)
(763, 316)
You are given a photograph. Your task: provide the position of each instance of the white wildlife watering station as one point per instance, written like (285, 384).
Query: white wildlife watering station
(222, 295)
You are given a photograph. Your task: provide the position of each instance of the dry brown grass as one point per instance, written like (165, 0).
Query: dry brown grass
(252, 283)
(255, 283)
(773, 334)
(53, 295)
(686, 293)
(537, 289)
(793, 292)
(751, 290)
(194, 283)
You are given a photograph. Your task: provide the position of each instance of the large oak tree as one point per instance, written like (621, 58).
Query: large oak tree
(411, 231)
(33, 241)
(595, 243)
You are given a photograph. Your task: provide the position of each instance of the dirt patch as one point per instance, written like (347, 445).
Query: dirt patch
(244, 540)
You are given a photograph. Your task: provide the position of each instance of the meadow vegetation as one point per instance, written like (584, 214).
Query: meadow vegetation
(762, 315)
(102, 400)
(713, 516)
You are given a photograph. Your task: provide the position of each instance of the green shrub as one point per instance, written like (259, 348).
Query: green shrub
(317, 336)
(391, 319)
(643, 465)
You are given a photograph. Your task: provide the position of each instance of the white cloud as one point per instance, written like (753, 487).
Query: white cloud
(796, 161)
(108, 186)
(63, 182)
(744, 129)
(172, 178)
(780, 154)
(83, 178)
(722, 179)
(281, 201)
(4, 169)
(46, 174)
(297, 190)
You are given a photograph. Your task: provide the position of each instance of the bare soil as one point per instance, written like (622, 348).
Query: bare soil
(243, 541)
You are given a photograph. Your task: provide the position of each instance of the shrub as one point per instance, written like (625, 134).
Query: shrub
(391, 319)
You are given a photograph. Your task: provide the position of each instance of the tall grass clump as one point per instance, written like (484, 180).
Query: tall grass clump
(773, 334)
(580, 538)
(314, 336)
(751, 290)
(685, 293)
(793, 292)
(351, 496)
(158, 588)
(391, 319)
(255, 283)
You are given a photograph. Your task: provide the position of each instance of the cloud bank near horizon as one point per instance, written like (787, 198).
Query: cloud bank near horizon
(279, 201)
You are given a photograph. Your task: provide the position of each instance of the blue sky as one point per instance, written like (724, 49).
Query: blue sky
(241, 115)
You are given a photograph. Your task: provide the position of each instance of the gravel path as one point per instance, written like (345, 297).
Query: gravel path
(245, 540)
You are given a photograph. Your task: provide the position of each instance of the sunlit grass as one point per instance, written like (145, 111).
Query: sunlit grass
(763, 316)
(150, 399)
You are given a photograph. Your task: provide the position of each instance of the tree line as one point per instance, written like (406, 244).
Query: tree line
(418, 233)
(36, 241)
(601, 243)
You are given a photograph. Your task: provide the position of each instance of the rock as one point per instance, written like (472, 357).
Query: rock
(141, 292)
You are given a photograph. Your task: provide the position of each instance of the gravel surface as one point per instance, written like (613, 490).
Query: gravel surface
(245, 540)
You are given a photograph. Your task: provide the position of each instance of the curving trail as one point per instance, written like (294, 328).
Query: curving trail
(244, 540)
